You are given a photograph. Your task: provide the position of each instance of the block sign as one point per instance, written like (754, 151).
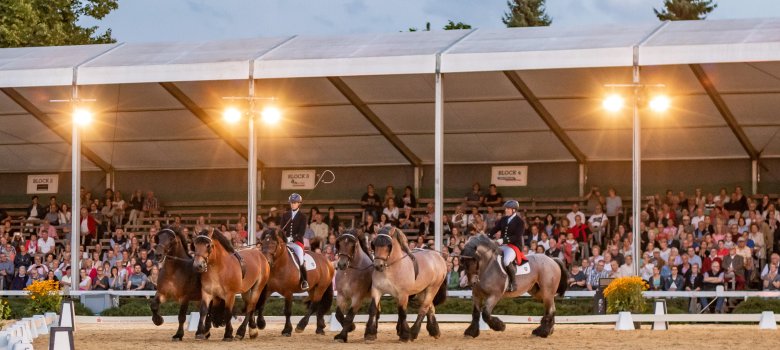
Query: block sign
(42, 183)
(298, 179)
(507, 176)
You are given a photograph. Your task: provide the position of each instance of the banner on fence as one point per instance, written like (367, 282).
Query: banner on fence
(507, 176)
(298, 179)
(45, 183)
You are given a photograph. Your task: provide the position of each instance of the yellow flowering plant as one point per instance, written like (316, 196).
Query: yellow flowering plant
(625, 294)
(5, 312)
(44, 297)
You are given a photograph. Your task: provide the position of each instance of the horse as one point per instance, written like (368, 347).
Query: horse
(225, 272)
(178, 280)
(393, 275)
(285, 280)
(353, 279)
(480, 258)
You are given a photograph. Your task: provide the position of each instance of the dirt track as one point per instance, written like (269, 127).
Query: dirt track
(147, 337)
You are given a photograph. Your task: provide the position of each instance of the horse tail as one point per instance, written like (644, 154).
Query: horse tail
(326, 301)
(441, 294)
(218, 313)
(563, 284)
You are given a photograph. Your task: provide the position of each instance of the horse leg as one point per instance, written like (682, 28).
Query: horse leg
(347, 324)
(473, 329)
(305, 320)
(229, 302)
(548, 320)
(287, 331)
(202, 334)
(248, 310)
(404, 333)
(432, 326)
(260, 307)
(182, 317)
(421, 312)
(493, 322)
(321, 318)
(155, 306)
(373, 317)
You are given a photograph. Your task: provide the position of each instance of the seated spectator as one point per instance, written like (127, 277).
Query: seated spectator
(85, 283)
(137, 280)
(596, 275)
(734, 267)
(23, 258)
(627, 269)
(6, 271)
(52, 215)
(675, 281)
(406, 219)
(391, 211)
(577, 279)
(151, 205)
(598, 224)
(51, 276)
(154, 276)
(580, 232)
(120, 240)
(35, 211)
(332, 220)
(408, 199)
(371, 202)
(101, 280)
(614, 269)
(774, 259)
(695, 280)
(116, 281)
(454, 274)
(65, 279)
(475, 196)
(575, 212)
(493, 198)
(45, 243)
(19, 281)
(656, 282)
(772, 279)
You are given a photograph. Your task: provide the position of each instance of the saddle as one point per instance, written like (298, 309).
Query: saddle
(241, 263)
(519, 256)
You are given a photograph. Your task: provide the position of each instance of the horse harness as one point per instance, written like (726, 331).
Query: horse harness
(235, 254)
(406, 254)
(350, 257)
(166, 253)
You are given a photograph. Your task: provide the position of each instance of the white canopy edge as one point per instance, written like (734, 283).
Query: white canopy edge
(236, 70)
(720, 53)
(36, 77)
(499, 61)
(352, 66)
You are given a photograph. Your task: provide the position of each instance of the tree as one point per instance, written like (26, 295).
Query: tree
(677, 10)
(427, 28)
(52, 22)
(453, 26)
(526, 13)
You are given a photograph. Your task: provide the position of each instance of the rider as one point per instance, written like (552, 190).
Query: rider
(294, 228)
(512, 229)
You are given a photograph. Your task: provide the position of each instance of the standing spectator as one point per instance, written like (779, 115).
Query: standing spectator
(493, 198)
(371, 202)
(712, 279)
(136, 209)
(575, 212)
(118, 206)
(151, 205)
(475, 197)
(597, 223)
(614, 206)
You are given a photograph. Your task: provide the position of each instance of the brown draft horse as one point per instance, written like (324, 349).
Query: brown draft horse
(395, 273)
(223, 276)
(285, 280)
(178, 280)
(488, 282)
(353, 279)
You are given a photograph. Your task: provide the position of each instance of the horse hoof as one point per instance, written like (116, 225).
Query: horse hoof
(320, 332)
(369, 338)
(239, 337)
(227, 339)
(253, 333)
(287, 334)
(176, 338)
(339, 339)
(201, 337)
(157, 320)
(299, 330)
(261, 323)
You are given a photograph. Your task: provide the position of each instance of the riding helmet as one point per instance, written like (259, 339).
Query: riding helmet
(513, 204)
(295, 198)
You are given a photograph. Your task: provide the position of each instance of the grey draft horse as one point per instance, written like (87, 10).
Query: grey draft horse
(354, 269)
(480, 257)
(402, 273)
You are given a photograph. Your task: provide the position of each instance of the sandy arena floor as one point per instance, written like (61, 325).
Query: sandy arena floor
(148, 337)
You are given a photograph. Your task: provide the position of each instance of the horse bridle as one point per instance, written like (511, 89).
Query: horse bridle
(475, 259)
(349, 257)
(385, 264)
(166, 252)
(208, 252)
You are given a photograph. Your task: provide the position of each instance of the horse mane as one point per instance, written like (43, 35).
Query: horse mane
(269, 231)
(220, 238)
(396, 234)
(470, 249)
(358, 236)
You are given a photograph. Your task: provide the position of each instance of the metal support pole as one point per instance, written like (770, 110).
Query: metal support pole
(582, 179)
(252, 177)
(755, 176)
(439, 162)
(75, 173)
(636, 162)
(417, 179)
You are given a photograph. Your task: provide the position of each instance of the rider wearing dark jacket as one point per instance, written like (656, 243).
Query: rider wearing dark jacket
(512, 229)
(294, 227)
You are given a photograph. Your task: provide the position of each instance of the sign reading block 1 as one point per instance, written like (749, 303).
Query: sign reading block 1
(298, 179)
(508, 176)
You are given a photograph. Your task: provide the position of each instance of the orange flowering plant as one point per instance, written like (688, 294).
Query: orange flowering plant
(44, 297)
(625, 294)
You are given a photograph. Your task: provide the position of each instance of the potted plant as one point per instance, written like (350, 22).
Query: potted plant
(625, 295)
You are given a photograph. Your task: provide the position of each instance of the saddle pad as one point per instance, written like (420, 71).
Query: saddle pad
(523, 269)
(308, 261)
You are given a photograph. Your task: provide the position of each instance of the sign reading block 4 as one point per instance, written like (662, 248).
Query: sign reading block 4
(298, 179)
(506, 176)
(45, 183)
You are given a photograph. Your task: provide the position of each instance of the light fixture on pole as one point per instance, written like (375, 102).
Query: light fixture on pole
(269, 115)
(614, 103)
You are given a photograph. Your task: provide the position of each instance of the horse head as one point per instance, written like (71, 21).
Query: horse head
(477, 254)
(347, 245)
(272, 245)
(387, 238)
(204, 246)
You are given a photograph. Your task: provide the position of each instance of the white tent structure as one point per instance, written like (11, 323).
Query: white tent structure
(399, 98)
